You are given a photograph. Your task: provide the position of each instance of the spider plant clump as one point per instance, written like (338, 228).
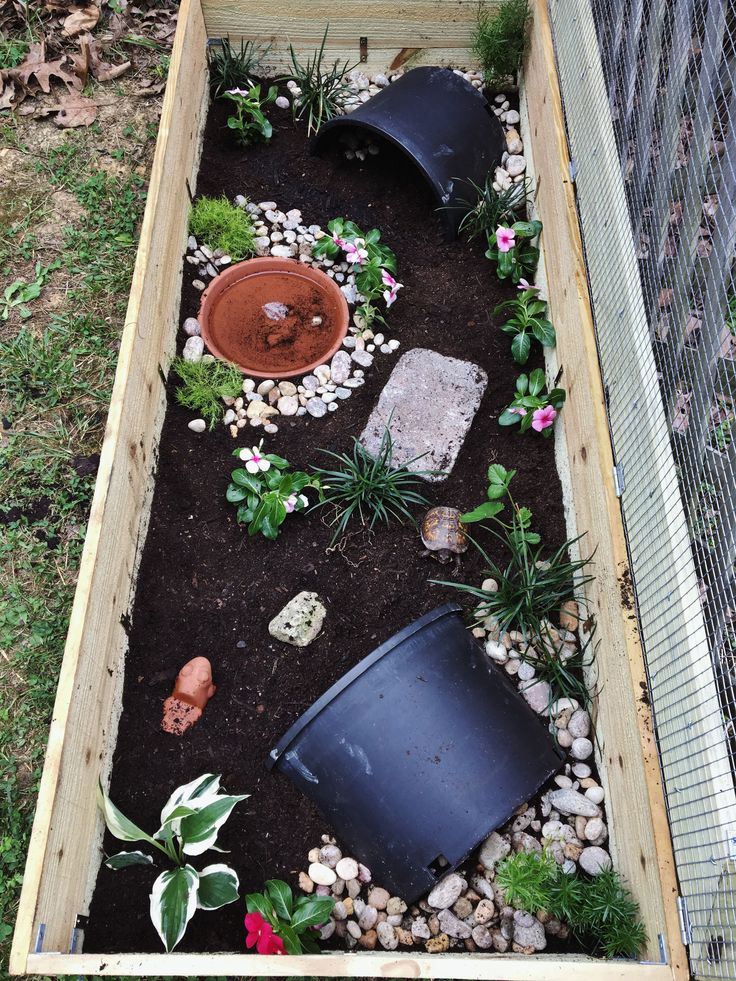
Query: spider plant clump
(222, 225)
(369, 488)
(232, 68)
(599, 910)
(319, 87)
(491, 208)
(204, 384)
(499, 39)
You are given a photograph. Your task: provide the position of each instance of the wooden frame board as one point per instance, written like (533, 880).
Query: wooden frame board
(65, 849)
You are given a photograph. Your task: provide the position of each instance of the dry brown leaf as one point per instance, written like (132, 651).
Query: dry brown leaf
(80, 20)
(7, 95)
(35, 69)
(153, 90)
(75, 110)
(103, 71)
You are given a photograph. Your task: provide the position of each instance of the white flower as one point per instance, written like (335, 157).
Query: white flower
(254, 461)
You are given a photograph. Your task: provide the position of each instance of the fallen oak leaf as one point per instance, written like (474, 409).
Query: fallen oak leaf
(7, 95)
(103, 71)
(75, 110)
(152, 90)
(81, 20)
(36, 68)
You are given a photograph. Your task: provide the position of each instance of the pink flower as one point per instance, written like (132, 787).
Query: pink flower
(355, 251)
(339, 242)
(518, 410)
(505, 238)
(242, 92)
(389, 294)
(293, 501)
(261, 936)
(523, 285)
(254, 461)
(543, 418)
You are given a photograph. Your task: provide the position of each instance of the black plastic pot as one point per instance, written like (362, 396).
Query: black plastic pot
(443, 123)
(418, 753)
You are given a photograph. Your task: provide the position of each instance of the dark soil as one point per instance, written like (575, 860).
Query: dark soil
(206, 588)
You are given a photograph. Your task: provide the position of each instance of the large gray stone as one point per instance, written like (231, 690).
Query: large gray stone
(431, 401)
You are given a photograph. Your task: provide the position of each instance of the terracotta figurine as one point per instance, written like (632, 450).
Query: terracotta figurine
(192, 690)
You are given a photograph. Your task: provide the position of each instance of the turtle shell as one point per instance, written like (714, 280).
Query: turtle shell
(442, 530)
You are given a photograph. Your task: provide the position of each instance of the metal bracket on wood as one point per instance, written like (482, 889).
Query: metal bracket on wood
(618, 479)
(363, 49)
(38, 949)
(686, 930)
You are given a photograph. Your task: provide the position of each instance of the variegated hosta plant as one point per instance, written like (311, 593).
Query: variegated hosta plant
(190, 822)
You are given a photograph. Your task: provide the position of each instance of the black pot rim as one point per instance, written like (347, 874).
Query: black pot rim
(347, 679)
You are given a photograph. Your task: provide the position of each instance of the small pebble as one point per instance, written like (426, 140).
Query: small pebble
(197, 425)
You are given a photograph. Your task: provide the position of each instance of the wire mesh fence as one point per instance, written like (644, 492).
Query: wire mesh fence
(649, 92)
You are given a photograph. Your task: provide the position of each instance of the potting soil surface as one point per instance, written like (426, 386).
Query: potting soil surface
(206, 588)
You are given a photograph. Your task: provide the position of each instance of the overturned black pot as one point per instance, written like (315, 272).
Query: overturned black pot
(418, 753)
(445, 126)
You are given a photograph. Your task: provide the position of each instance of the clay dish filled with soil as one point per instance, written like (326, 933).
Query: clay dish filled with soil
(273, 318)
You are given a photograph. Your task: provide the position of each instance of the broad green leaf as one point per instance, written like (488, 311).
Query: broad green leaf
(522, 384)
(117, 823)
(525, 517)
(292, 943)
(267, 130)
(314, 913)
(235, 494)
(200, 789)
(281, 896)
(234, 123)
(505, 264)
(218, 886)
(483, 511)
(123, 860)
(199, 831)
(244, 479)
(537, 381)
(544, 332)
(526, 422)
(173, 904)
(520, 348)
(256, 902)
(508, 418)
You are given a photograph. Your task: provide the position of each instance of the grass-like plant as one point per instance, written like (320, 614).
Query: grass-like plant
(204, 384)
(369, 487)
(222, 225)
(600, 910)
(232, 68)
(491, 208)
(499, 39)
(321, 87)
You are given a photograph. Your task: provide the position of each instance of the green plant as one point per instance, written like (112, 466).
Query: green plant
(600, 909)
(190, 822)
(250, 123)
(531, 587)
(492, 208)
(532, 406)
(731, 316)
(265, 493)
(231, 68)
(513, 249)
(319, 87)
(273, 915)
(222, 225)
(369, 487)
(373, 263)
(499, 39)
(20, 292)
(12, 52)
(527, 320)
(204, 384)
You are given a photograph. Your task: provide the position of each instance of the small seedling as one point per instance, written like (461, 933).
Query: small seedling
(249, 122)
(222, 225)
(21, 292)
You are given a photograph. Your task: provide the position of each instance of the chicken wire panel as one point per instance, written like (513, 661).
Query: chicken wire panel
(650, 108)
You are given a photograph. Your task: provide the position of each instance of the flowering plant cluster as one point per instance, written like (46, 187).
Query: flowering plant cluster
(532, 406)
(527, 321)
(513, 249)
(250, 123)
(276, 924)
(265, 492)
(374, 264)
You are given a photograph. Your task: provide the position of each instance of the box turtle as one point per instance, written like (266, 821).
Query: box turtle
(443, 534)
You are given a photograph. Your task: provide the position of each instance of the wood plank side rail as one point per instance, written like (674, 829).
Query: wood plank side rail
(64, 849)
(630, 765)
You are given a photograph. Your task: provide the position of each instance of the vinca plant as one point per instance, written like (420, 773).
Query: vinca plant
(527, 321)
(265, 490)
(190, 822)
(249, 122)
(513, 249)
(532, 406)
(276, 923)
(373, 263)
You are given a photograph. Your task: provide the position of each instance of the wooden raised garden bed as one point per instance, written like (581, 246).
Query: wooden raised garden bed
(65, 853)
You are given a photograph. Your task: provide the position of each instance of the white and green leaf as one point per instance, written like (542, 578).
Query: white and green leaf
(218, 886)
(123, 860)
(117, 823)
(173, 903)
(198, 832)
(203, 788)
